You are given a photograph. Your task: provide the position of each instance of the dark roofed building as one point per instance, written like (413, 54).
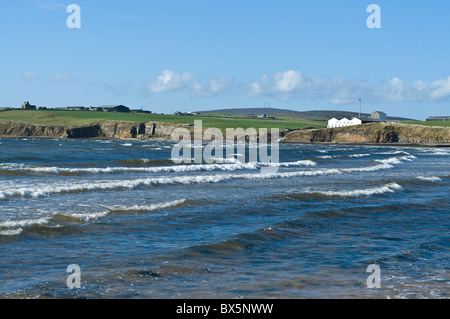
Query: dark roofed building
(438, 118)
(114, 108)
(73, 108)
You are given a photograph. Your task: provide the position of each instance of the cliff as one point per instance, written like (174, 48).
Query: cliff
(373, 133)
(109, 129)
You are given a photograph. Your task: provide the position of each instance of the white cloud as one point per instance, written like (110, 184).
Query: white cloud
(212, 87)
(290, 81)
(170, 81)
(391, 90)
(397, 90)
(61, 77)
(292, 84)
(440, 89)
(255, 89)
(29, 75)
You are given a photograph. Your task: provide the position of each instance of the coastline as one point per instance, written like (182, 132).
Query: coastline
(162, 139)
(373, 134)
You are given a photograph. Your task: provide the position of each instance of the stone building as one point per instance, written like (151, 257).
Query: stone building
(28, 106)
(378, 115)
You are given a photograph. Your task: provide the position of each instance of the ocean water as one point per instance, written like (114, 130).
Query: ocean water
(139, 226)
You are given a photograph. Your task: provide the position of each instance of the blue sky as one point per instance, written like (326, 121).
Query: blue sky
(198, 55)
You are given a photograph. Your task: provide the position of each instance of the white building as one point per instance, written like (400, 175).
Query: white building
(343, 122)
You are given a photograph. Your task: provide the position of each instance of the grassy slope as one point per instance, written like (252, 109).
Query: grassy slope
(431, 123)
(80, 118)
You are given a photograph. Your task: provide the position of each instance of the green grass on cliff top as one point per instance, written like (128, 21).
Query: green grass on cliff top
(81, 118)
(431, 123)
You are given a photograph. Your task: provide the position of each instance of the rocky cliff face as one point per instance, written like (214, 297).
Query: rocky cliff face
(119, 130)
(17, 129)
(373, 133)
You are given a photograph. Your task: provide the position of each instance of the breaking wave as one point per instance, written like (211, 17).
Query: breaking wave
(11, 232)
(359, 155)
(384, 164)
(397, 159)
(389, 188)
(368, 168)
(14, 228)
(84, 186)
(24, 223)
(146, 208)
(429, 178)
(45, 190)
(237, 165)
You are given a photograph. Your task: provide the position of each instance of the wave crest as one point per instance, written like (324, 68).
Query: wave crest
(389, 188)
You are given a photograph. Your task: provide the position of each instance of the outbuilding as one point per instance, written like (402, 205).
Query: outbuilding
(438, 118)
(378, 115)
(115, 108)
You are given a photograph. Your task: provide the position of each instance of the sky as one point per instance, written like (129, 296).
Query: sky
(194, 55)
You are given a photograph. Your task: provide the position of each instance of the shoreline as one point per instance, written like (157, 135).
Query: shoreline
(161, 139)
(373, 134)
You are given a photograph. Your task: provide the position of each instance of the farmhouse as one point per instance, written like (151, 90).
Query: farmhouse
(28, 106)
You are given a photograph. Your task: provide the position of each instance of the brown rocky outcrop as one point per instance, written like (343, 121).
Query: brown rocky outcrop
(110, 129)
(373, 133)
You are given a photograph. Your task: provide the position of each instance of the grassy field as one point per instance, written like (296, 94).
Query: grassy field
(430, 123)
(80, 118)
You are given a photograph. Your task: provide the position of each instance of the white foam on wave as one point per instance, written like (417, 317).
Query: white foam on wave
(394, 152)
(15, 227)
(429, 178)
(359, 155)
(392, 160)
(87, 216)
(389, 188)
(384, 164)
(136, 208)
(24, 223)
(45, 190)
(289, 164)
(147, 208)
(230, 165)
(11, 232)
(368, 168)
(83, 186)
(440, 153)
(397, 159)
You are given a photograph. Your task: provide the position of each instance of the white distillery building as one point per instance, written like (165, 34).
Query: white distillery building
(343, 122)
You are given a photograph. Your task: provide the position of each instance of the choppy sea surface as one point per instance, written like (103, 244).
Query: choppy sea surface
(140, 226)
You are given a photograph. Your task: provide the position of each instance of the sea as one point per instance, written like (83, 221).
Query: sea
(111, 219)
